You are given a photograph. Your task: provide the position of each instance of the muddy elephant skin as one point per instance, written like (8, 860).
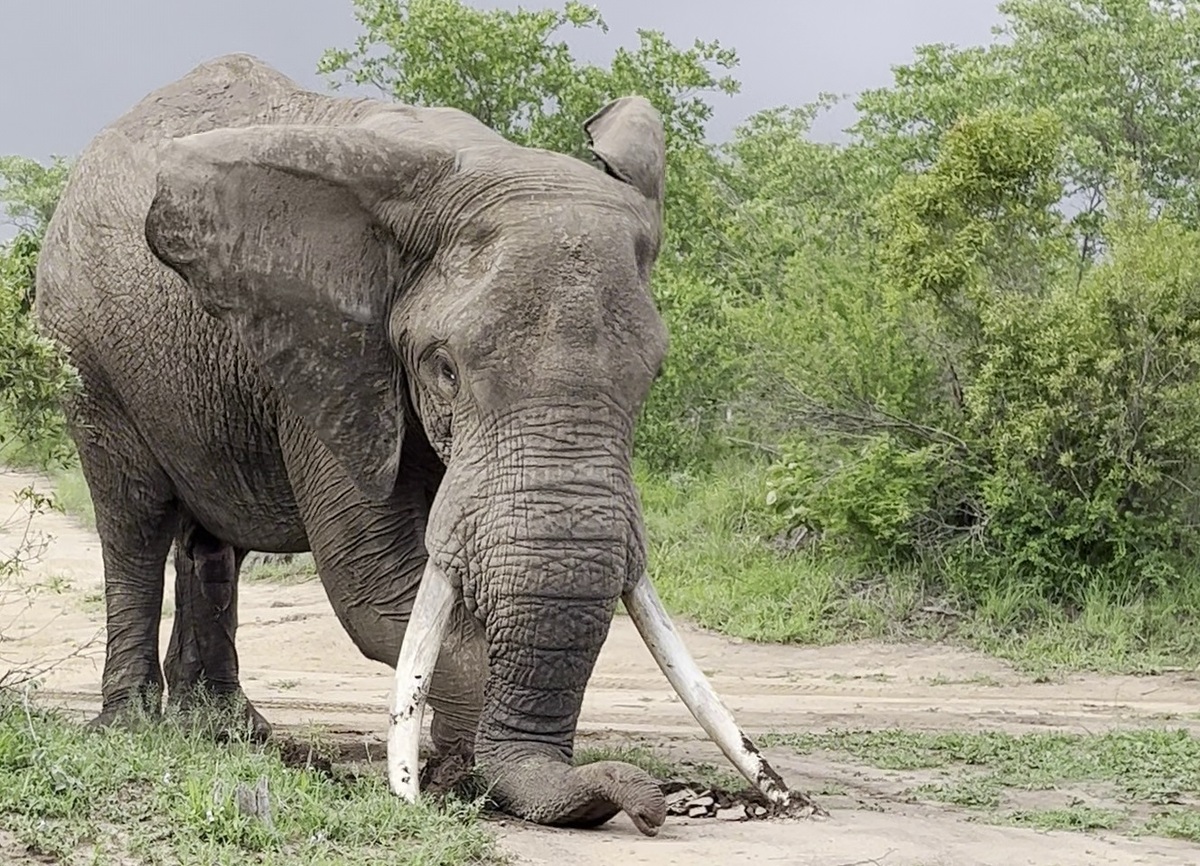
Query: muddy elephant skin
(387, 335)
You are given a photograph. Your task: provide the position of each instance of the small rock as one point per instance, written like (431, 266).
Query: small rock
(255, 802)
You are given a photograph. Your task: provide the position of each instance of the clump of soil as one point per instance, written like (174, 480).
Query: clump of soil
(299, 755)
(696, 800)
(450, 775)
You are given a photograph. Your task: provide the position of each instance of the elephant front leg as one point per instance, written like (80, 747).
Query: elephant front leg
(201, 666)
(370, 556)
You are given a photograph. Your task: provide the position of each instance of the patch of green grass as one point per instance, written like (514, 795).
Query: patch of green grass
(877, 677)
(164, 795)
(640, 756)
(711, 561)
(1155, 770)
(1070, 818)
(974, 680)
(56, 584)
(1179, 824)
(72, 495)
(1144, 635)
(302, 570)
(93, 601)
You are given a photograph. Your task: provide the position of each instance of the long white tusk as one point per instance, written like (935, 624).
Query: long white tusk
(667, 647)
(414, 670)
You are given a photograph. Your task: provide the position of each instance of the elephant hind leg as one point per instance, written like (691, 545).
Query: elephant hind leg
(201, 665)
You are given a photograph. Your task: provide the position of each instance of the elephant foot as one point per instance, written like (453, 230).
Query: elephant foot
(225, 716)
(134, 713)
(546, 791)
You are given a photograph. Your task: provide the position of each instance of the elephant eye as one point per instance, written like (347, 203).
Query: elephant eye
(445, 375)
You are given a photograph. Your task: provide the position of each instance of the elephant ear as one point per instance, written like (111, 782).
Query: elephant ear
(627, 136)
(274, 230)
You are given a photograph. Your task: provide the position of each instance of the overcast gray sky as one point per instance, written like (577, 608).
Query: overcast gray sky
(68, 67)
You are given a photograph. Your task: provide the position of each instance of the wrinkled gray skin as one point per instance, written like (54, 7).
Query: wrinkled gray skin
(378, 333)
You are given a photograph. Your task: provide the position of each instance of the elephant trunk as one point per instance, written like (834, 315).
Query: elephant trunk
(543, 644)
(550, 550)
(541, 539)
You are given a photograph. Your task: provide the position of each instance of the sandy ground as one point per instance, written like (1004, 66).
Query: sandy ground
(301, 669)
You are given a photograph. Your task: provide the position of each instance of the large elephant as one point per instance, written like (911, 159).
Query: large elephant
(392, 337)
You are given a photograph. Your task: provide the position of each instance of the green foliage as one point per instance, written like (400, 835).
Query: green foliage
(885, 456)
(979, 221)
(509, 69)
(29, 190)
(879, 496)
(701, 376)
(34, 376)
(1046, 437)
(1119, 74)
(1087, 406)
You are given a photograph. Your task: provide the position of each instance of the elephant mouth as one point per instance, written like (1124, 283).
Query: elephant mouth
(423, 640)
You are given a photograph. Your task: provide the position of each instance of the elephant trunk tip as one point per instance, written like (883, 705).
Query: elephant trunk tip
(548, 792)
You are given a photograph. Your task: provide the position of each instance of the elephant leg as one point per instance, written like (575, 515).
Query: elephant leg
(202, 663)
(135, 518)
(182, 665)
(370, 556)
(371, 581)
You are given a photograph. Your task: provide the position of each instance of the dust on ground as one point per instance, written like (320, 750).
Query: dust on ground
(305, 675)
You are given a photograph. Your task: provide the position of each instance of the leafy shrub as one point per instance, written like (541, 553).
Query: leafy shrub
(1086, 408)
(1049, 435)
(33, 374)
(879, 499)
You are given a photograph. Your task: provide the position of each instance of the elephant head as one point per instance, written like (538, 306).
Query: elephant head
(410, 268)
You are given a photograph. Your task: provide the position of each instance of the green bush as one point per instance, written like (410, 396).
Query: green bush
(34, 376)
(1047, 436)
(680, 425)
(1086, 409)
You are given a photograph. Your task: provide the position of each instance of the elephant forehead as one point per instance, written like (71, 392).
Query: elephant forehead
(557, 293)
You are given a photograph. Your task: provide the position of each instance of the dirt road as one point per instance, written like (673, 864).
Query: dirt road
(300, 668)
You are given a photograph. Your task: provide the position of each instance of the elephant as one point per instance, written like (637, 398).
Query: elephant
(392, 337)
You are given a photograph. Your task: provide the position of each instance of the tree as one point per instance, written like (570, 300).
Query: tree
(1123, 76)
(29, 191)
(34, 375)
(512, 71)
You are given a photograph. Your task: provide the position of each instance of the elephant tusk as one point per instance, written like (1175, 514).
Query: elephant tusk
(698, 695)
(414, 669)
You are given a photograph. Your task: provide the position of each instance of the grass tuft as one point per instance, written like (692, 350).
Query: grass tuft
(1151, 777)
(301, 569)
(167, 795)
